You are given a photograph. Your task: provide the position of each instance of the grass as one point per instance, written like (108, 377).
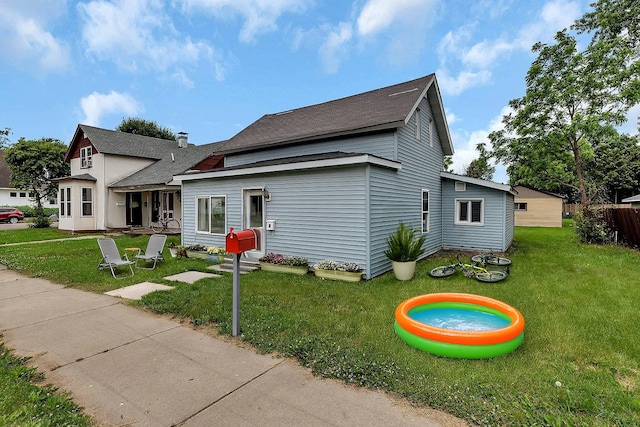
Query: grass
(30, 235)
(24, 403)
(579, 363)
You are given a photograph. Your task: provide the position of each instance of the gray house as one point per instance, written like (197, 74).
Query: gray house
(333, 180)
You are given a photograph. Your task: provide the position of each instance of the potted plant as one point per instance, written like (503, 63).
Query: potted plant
(216, 254)
(284, 264)
(405, 247)
(329, 269)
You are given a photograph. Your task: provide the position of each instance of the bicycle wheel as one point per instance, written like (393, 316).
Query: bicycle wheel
(443, 271)
(483, 259)
(156, 227)
(491, 276)
(173, 226)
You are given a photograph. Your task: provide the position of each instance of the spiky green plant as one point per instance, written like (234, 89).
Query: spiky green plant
(404, 244)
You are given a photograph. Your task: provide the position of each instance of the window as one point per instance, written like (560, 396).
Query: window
(23, 194)
(86, 158)
(418, 124)
(65, 201)
(470, 212)
(211, 216)
(430, 132)
(87, 202)
(520, 206)
(425, 211)
(13, 194)
(460, 186)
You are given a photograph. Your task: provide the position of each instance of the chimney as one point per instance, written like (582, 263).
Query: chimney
(183, 139)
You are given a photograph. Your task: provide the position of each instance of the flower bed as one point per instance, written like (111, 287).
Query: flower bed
(348, 271)
(284, 264)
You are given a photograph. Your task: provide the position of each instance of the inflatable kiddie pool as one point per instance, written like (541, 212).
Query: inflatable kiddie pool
(459, 325)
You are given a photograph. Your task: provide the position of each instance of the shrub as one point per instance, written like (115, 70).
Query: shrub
(591, 227)
(405, 244)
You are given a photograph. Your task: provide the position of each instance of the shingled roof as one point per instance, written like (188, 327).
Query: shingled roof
(169, 158)
(381, 109)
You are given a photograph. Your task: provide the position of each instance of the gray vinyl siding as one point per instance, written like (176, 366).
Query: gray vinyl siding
(490, 235)
(397, 196)
(510, 219)
(320, 214)
(381, 145)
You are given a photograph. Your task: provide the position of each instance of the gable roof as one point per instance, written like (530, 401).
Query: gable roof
(381, 109)
(477, 181)
(632, 199)
(524, 191)
(169, 158)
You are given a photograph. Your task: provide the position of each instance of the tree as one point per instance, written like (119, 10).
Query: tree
(33, 164)
(615, 166)
(143, 127)
(4, 137)
(611, 20)
(570, 98)
(481, 168)
(448, 162)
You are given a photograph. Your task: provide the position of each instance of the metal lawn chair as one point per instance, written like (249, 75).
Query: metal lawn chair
(111, 258)
(153, 253)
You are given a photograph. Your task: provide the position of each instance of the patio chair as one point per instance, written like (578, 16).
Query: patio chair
(153, 253)
(111, 258)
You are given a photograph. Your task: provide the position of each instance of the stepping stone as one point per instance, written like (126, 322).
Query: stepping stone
(190, 276)
(138, 291)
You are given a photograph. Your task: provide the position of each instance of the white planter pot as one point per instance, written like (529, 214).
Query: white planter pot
(404, 270)
(174, 252)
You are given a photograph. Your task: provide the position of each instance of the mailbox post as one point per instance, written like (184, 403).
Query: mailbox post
(236, 244)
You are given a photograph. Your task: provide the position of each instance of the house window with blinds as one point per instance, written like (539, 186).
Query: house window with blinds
(469, 212)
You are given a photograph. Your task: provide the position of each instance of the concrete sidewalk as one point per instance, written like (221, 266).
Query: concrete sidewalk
(128, 367)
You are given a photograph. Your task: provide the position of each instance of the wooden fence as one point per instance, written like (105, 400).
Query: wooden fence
(625, 224)
(571, 209)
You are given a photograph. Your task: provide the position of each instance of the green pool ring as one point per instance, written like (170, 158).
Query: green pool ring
(459, 351)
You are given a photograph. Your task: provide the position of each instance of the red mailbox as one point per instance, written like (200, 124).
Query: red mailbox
(238, 242)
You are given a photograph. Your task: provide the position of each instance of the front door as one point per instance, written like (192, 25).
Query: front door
(134, 209)
(253, 218)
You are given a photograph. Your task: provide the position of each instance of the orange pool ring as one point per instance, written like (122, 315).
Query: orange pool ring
(496, 336)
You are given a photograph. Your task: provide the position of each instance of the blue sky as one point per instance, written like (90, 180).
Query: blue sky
(212, 67)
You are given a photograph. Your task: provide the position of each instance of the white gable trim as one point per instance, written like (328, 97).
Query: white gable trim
(480, 182)
(285, 167)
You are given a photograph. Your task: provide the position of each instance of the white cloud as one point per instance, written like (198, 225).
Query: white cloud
(97, 105)
(260, 16)
(465, 146)
(334, 49)
(476, 61)
(25, 40)
(139, 35)
(632, 124)
(463, 81)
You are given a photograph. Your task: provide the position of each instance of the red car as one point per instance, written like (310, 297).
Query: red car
(11, 215)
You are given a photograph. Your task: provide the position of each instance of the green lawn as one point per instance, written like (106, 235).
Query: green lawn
(579, 363)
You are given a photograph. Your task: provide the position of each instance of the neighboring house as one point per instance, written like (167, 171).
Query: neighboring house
(534, 208)
(10, 196)
(121, 180)
(634, 200)
(333, 180)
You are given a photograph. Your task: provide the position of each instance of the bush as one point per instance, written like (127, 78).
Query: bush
(30, 212)
(591, 227)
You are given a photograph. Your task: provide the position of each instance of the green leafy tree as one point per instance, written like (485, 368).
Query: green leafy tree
(570, 97)
(448, 162)
(144, 127)
(33, 164)
(4, 137)
(615, 166)
(481, 167)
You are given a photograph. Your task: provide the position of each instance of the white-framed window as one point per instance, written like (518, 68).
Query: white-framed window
(425, 211)
(460, 186)
(13, 194)
(87, 201)
(86, 157)
(430, 132)
(469, 211)
(211, 215)
(418, 124)
(519, 206)
(65, 201)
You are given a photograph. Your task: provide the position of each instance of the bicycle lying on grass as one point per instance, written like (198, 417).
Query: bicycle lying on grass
(490, 259)
(474, 270)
